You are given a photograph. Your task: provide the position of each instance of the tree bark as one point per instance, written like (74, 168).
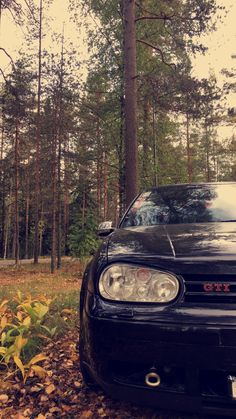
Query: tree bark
(120, 150)
(66, 193)
(189, 152)
(3, 192)
(16, 167)
(146, 139)
(131, 146)
(54, 200)
(105, 186)
(155, 177)
(8, 221)
(208, 170)
(27, 205)
(60, 133)
(38, 135)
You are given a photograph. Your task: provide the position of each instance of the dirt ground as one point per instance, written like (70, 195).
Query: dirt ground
(62, 393)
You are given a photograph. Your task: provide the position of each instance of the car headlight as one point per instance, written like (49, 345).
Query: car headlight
(123, 282)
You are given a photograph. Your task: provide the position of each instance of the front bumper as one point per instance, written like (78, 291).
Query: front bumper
(194, 362)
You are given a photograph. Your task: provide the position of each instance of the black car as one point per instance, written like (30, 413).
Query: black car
(158, 301)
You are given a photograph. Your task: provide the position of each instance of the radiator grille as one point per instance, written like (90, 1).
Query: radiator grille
(210, 288)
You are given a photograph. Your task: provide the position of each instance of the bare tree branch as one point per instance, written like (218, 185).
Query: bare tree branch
(158, 50)
(31, 11)
(164, 17)
(3, 75)
(108, 40)
(152, 15)
(7, 54)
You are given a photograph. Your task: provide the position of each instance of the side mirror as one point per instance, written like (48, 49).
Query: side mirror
(105, 228)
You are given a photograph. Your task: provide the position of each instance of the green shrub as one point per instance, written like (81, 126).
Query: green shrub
(22, 329)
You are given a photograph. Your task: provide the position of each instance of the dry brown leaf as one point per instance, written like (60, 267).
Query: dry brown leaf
(27, 412)
(50, 389)
(36, 389)
(55, 410)
(43, 398)
(87, 414)
(77, 384)
(4, 398)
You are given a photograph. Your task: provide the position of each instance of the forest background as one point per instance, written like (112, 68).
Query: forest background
(75, 149)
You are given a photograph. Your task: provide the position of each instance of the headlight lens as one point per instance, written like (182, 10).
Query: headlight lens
(135, 283)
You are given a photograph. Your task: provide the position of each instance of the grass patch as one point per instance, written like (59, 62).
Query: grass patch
(63, 287)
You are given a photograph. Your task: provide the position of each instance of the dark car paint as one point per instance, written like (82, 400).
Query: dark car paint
(192, 336)
(208, 240)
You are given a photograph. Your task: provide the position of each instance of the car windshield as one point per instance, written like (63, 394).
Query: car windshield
(183, 204)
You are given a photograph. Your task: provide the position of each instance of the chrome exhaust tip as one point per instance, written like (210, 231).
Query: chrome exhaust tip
(152, 379)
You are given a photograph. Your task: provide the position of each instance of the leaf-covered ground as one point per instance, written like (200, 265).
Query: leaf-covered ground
(62, 394)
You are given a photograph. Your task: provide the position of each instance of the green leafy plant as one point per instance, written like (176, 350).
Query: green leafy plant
(21, 328)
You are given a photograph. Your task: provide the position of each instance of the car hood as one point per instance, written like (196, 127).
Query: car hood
(175, 241)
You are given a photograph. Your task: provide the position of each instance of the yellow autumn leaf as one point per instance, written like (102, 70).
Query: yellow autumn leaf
(20, 342)
(19, 316)
(27, 321)
(19, 364)
(3, 303)
(68, 311)
(39, 371)
(3, 350)
(36, 359)
(3, 322)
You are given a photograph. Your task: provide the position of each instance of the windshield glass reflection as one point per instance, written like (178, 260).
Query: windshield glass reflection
(183, 204)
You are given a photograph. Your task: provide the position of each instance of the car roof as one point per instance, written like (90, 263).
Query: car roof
(187, 185)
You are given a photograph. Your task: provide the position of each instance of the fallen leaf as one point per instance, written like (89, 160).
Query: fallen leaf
(77, 384)
(86, 414)
(35, 389)
(4, 398)
(55, 410)
(50, 389)
(43, 398)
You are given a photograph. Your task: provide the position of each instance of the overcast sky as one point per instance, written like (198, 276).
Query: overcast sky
(221, 43)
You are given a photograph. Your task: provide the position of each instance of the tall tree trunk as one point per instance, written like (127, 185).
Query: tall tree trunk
(99, 170)
(154, 146)
(66, 193)
(146, 137)
(131, 146)
(208, 170)
(41, 230)
(54, 204)
(189, 151)
(83, 208)
(16, 168)
(120, 151)
(38, 137)
(105, 185)
(120, 145)
(59, 205)
(27, 204)
(8, 222)
(99, 192)
(3, 193)
(3, 221)
(60, 134)
(214, 152)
